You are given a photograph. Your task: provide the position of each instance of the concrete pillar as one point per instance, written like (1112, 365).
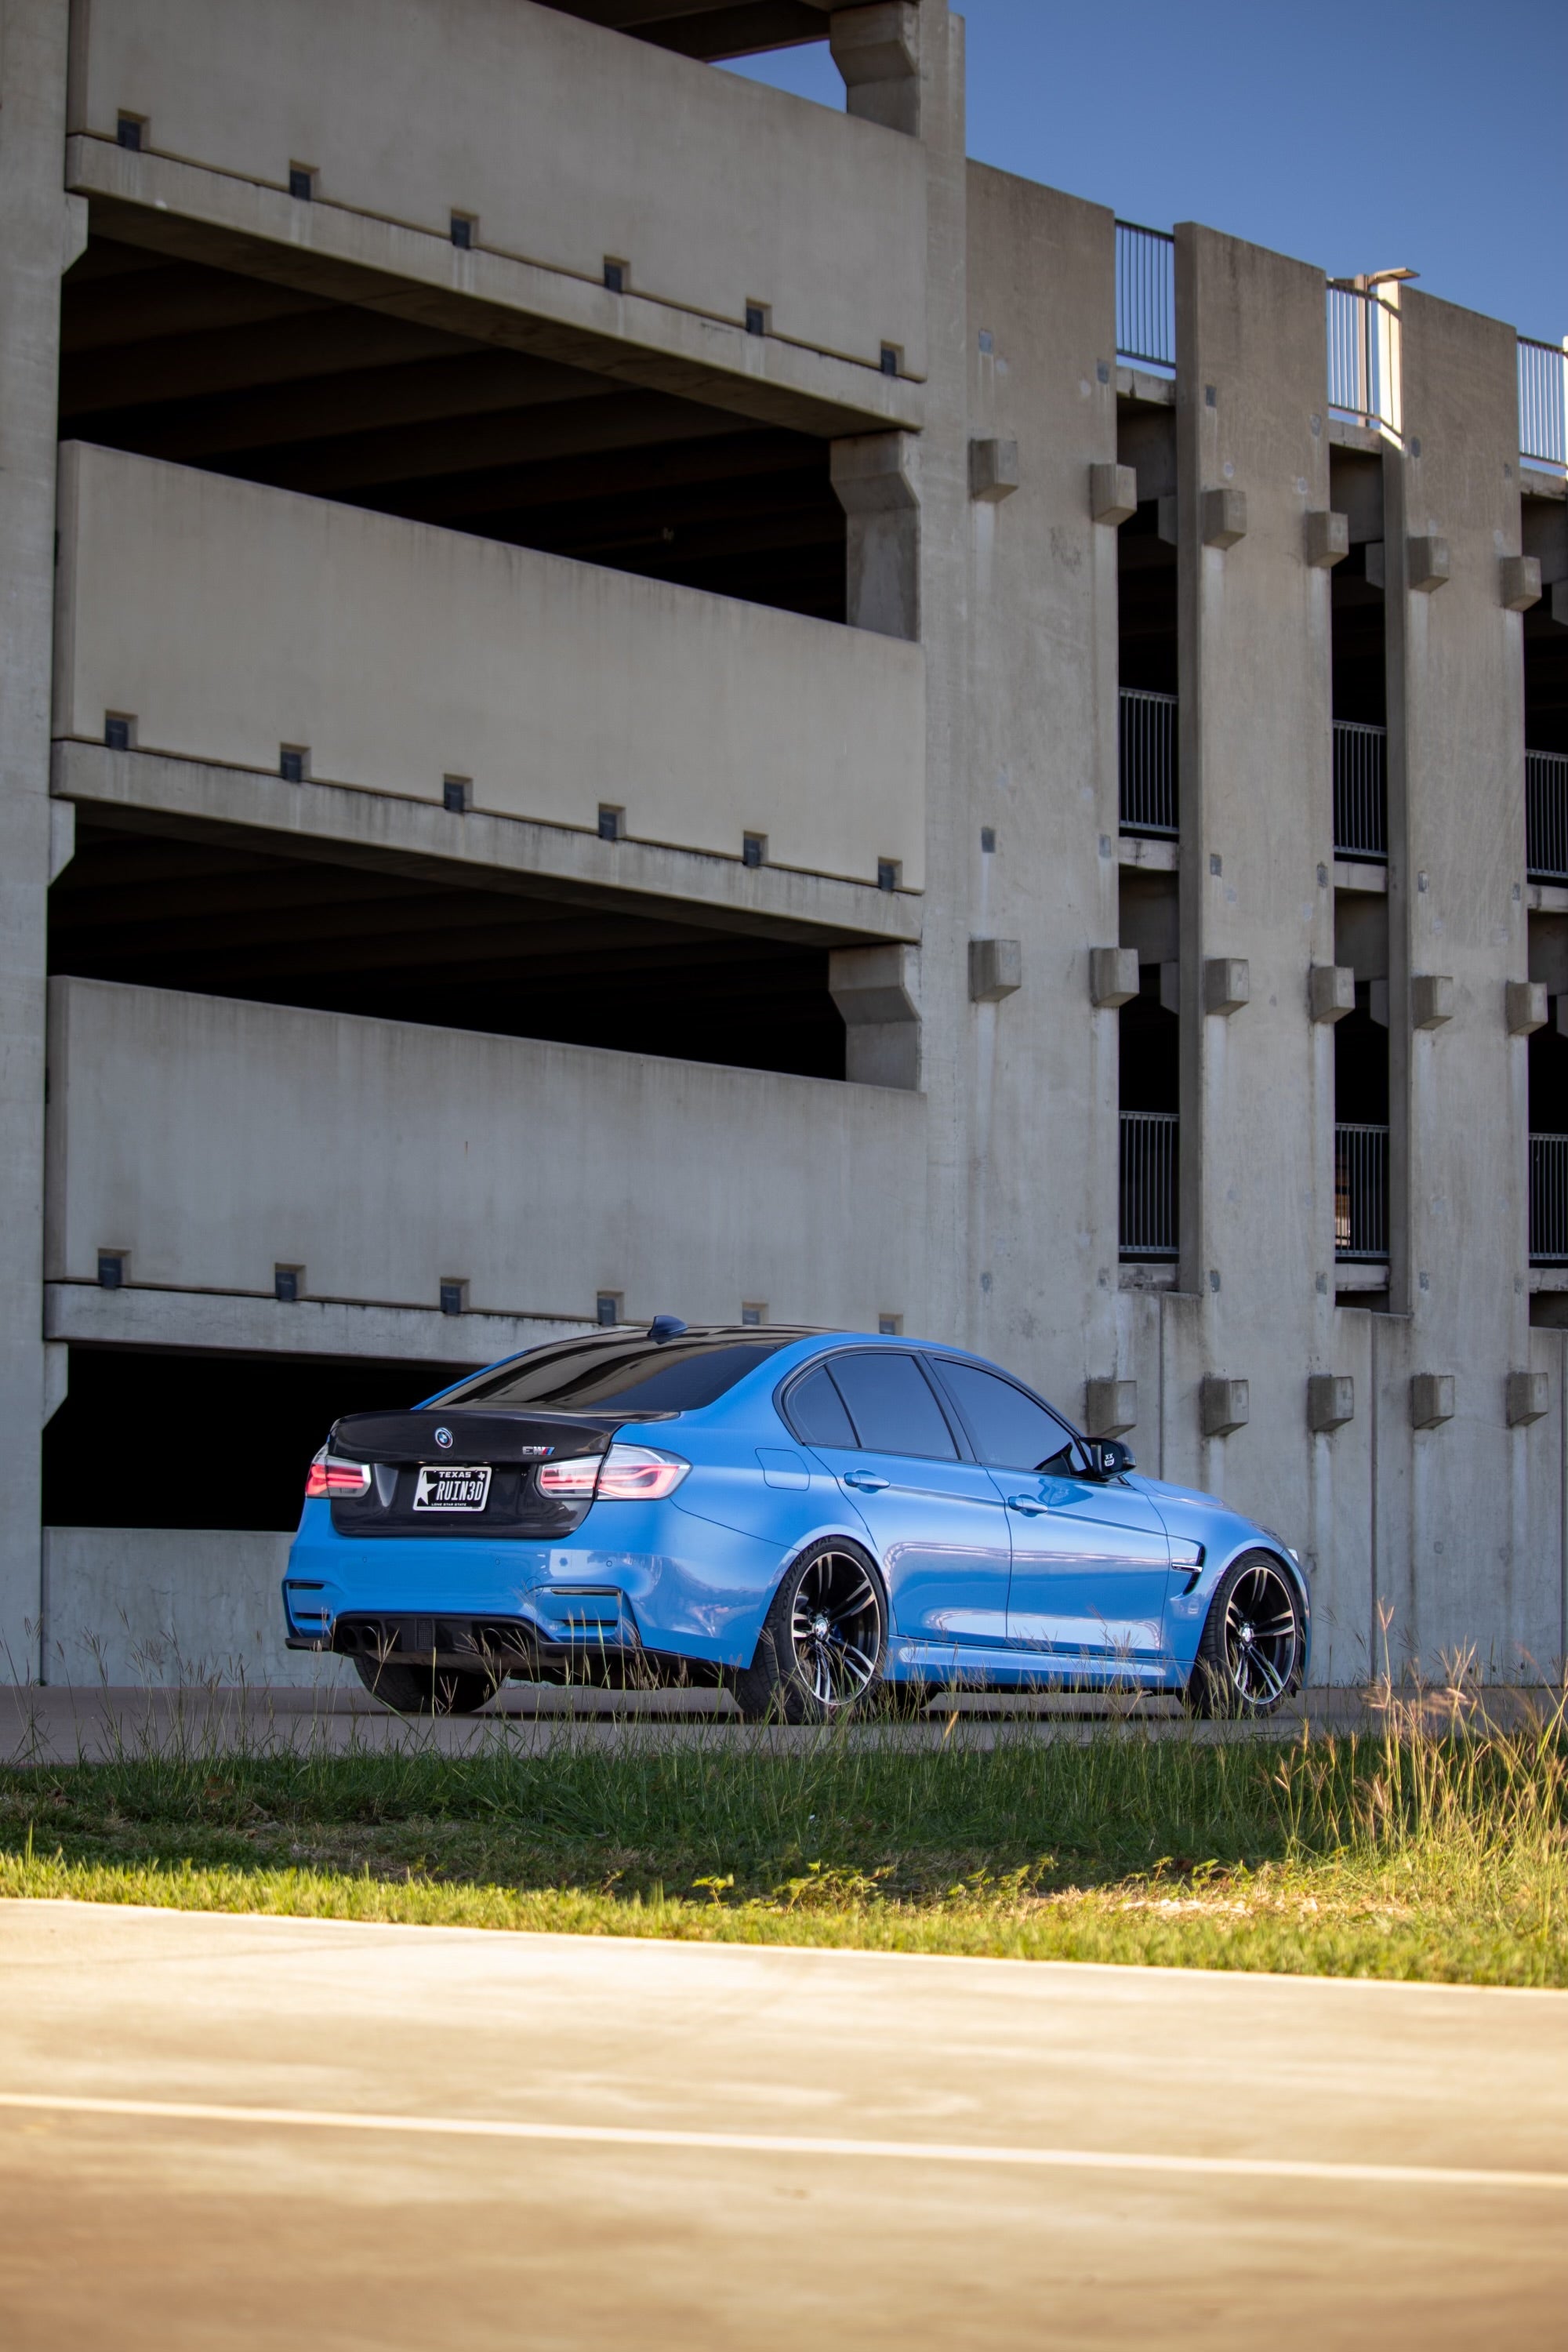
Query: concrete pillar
(878, 51)
(876, 481)
(44, 230)
(1042, 791)
(1257, 850)
(1465, 1560)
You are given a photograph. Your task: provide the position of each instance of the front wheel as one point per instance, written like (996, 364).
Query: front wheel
(1254, 1647)
(820, 1649)
(424, 1690)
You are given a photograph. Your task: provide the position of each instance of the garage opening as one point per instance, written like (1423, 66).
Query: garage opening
(267, 383)
(219, 917)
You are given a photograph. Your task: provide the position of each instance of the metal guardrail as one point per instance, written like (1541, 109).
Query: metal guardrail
(1363, 357)
(1146, 756)
(1361, 1193)
(1549, 1199)
(1360, 789)
(1148, 1183)
(1543, 402)
(1546, 815)
(1145, 295)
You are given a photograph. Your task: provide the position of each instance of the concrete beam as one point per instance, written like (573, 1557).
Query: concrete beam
(221, 1323)
(413, 274)
(877, 49)
(876, 481)
(1330, 1402)
(877, 991)
(348, 826)
(995, 969)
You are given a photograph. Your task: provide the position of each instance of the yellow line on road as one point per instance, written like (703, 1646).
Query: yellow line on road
(1063, 2159)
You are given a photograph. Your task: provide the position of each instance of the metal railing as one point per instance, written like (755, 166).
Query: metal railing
(1146, 752)
(1145, 295)
(1546, 815)
(1360, 789)
(1361, 1193)
(1364, 356)
(1549, 1199)
(1543, 402)
(1148, 1183)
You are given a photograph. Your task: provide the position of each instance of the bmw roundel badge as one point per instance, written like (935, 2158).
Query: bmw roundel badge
(443, 1437)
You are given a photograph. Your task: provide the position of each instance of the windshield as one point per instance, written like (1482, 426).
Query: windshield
(629, 1376)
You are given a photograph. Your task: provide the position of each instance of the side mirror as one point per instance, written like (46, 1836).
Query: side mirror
(1108, 1458)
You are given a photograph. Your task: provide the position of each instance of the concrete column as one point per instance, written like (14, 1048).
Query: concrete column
(44, 230)
(1466, 1565)
(1256, 911)
(1042, 789)
(878, 51)
(876, 481)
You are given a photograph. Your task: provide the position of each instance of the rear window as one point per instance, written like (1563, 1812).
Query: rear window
(625, 1376)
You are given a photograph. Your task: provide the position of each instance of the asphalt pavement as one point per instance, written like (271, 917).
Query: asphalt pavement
(229, 2131)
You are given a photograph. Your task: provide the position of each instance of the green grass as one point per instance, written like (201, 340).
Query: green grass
(1408, 1853)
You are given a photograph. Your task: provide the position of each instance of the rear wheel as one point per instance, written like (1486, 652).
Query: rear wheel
(424, 1690)
(1254, 1645)
(820, 1650)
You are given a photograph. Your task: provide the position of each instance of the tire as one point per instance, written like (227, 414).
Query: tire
(1253, 1651)
(822, 1644)
(424, 1690)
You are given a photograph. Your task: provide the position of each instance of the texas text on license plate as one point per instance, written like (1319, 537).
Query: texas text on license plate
(448, 1487)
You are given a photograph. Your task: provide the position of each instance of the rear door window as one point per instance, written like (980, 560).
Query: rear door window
(1011, 1429)
(892, 1405)
(816, 1413)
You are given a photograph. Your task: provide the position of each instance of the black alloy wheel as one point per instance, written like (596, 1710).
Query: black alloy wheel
(820, 1650)
(425, 1689)
(1254, 1646)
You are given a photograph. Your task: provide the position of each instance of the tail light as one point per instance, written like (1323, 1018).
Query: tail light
(333, 1474)
(639, 1474)
(570, 1482)
(627, 1473)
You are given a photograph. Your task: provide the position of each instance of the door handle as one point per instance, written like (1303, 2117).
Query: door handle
(1029, 1505)
(867, 1480)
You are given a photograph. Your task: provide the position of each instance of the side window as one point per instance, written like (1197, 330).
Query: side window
(892, 1405)
(816, 1412)
(1011, 1431)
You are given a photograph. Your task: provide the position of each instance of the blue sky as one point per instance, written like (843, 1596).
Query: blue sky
(1433, 136)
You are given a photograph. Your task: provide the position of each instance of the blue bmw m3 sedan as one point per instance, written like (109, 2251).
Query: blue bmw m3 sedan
(815, 1520)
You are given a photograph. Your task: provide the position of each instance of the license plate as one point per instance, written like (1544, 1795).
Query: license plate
(450, 1487)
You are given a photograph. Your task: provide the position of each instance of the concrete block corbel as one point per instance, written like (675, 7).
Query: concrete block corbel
(1223, 1404)
(1331, 1400)
(1521, 582)
(1331, 990)
(1111, 1407)
(1112, 976)
(995, 969)
(993, 469)
(878, 52)
(1113, 493)
(1228, 984)
(1528, 1397)
(1427, 564)
(1328, 539)
(1225, 517)
(1431, 999)
(1527, 1007)
(1431, 1398)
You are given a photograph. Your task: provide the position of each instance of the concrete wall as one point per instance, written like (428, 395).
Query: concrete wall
(1037, 1073)
(44, 230)
(213, 1140)
(569, 144)
(145, 1608)
(1257, 1155)
(231, 619)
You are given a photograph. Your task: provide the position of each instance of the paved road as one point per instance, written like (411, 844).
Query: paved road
(220, 2132)
(61, 1724)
